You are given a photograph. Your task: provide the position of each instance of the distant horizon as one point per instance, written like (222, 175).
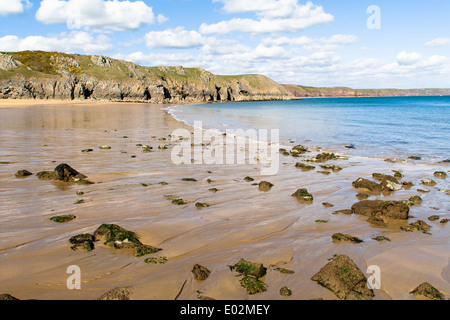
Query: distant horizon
(240, 74)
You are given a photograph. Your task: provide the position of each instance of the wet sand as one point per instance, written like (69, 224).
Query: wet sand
(242, 222)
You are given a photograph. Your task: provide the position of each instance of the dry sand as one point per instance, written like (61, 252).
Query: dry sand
(242, 222)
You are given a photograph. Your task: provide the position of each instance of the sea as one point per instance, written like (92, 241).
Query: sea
(384, 127)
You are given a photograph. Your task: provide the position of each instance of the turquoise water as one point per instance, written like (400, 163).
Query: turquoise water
(378, 127)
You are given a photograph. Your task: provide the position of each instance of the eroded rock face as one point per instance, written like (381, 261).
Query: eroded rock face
(7, 62)
(382, 212)
(102, 61)
(343, 277)
(67, 78)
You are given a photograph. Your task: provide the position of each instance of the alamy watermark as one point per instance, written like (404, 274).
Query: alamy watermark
(374, 280)
(74, 280)
(374, 20)
(239, 147)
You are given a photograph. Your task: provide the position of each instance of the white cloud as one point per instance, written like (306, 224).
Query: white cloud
(100, 15)
(8, 7)
(272, 17)
(310, 44)
(438, 42)
(73, 42)
(214, 46)
(159, 59)
(408, 58)
(174, 38)
(162, 19)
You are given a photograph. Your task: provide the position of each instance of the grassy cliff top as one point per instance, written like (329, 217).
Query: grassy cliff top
(42, 64)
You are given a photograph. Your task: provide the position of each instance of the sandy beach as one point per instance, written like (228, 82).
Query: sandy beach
(271, 227)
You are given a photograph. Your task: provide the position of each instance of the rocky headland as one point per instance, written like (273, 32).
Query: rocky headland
(52, 75)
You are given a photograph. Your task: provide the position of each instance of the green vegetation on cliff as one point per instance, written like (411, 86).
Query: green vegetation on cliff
(54, 75)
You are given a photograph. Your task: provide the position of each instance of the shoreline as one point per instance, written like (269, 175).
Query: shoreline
(242, 222)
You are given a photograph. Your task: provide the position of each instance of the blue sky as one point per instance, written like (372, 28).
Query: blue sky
(317, 42)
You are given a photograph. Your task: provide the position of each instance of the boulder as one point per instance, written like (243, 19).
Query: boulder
(417, 226)
(84, 241)
(428, 182)
(115, 236)
(381, 212)
(322, 157)
(298, 150)
(362, 183)
(23, 174)
(251, 272)
(304, 166)
(64, 172)
(265, 186)
(343, 277)
(303, 195)
(200, 272)
(389, 183)
(440, 174)
(345, 237)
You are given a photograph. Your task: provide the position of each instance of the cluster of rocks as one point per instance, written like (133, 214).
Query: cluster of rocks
(63, 172)
(113, 236)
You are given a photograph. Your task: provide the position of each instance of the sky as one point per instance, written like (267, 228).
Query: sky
(353, 43)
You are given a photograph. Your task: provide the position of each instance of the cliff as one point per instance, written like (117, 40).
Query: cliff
(313, 92)
(53, 75)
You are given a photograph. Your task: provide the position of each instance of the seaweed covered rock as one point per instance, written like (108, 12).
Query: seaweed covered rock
(265, 186)
(427, 290)
(338, 237)
(200, 272)
(382, 212)
(343, 277)
(371, 186)
(251, 272)
(64, 172)
(303, 195)
(249, 268)
(82, 241)
(114, 236)
(304, 166)
(6, 296)
(298, 150)
(200, 205)
(119, 293)
(415, 199)
(63, 218)
(323, 157)
(23, 174)
(333, 168)
(428, 182)
(419, 225)
(390, 183)
(285, 291)
(440, 174)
